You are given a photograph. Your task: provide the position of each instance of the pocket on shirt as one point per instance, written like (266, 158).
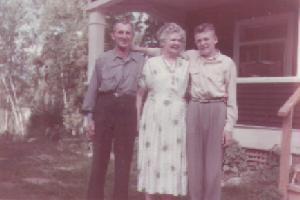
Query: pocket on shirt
(107, 76)
(109, 81)
(216, 77)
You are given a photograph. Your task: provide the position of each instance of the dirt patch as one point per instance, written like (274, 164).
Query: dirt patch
(40, 169)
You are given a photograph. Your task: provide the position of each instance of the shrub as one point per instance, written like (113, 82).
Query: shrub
(258, 184)
(235, 160)
(46, 122)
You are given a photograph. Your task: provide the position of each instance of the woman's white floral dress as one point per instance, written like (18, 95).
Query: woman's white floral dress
(162, 131)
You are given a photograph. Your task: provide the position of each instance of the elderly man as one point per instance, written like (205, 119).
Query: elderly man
(110, 108)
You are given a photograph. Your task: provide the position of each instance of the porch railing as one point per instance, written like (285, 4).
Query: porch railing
(286, 112)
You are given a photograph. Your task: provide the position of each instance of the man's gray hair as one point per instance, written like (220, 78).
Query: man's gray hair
(123, 20)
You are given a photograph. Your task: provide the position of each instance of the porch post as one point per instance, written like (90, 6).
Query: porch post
(284, 167)
(96, 38)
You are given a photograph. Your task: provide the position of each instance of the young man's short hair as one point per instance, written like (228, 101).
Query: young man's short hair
(205, 27)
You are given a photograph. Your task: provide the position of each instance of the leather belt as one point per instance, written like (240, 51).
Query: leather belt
(212, 100)
(110, 92)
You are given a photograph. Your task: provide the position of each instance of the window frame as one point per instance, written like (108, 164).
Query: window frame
(288, 68)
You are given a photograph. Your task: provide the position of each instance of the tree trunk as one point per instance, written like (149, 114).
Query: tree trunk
(17, 113)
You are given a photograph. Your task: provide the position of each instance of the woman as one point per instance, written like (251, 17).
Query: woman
(162, 128)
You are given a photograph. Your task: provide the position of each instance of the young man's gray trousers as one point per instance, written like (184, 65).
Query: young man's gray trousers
(205, 124)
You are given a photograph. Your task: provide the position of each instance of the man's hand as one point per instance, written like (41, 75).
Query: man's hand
(227, 138)
(138, 123)
(89, 128)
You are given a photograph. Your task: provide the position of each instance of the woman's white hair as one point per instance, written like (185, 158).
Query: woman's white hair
(164, 32)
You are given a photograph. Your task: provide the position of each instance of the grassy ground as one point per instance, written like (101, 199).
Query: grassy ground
(43, 170)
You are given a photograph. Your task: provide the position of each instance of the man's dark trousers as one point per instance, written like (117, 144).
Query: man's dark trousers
(115, 127)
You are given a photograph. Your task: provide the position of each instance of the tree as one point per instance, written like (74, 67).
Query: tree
(17, 33)
(43, 48)
(63, 61)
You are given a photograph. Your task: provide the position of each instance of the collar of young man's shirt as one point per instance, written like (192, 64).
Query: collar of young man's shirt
(215, 59)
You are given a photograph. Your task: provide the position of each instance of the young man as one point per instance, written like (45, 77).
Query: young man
(110, 108)
(212, 113)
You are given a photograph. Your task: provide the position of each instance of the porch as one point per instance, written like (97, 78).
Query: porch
(261, 36)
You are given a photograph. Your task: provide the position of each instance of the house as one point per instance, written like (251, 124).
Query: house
(262, 36)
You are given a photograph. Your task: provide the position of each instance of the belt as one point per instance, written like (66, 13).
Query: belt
(212, 100)
(109, 93)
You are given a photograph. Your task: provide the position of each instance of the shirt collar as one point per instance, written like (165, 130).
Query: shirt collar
(215, 59)
(131, 56)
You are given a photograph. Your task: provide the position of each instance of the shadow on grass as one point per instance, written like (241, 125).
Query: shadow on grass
(41, 169)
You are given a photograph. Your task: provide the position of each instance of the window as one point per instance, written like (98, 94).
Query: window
(264, 46)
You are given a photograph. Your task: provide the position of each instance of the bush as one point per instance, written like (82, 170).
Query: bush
(46, 122)
(235, 160)
(72, 120)
(259, 184)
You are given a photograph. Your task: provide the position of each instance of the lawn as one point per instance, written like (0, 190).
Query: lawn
(38, 169)
(41, 169)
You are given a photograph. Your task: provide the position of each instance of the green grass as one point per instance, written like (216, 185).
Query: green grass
(65, 167)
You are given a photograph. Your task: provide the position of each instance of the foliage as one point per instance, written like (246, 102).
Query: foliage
(72, 116)
(235, 159)
(259, 184)
(267, 174)
(46, 122)
(17, 37)
(149, 38)
(63, 60)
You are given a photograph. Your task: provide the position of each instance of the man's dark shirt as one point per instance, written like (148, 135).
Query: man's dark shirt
(113, 74)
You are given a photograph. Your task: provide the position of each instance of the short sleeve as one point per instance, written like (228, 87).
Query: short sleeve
(144, 77)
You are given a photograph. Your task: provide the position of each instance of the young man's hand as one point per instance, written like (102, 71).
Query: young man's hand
(227, 138)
